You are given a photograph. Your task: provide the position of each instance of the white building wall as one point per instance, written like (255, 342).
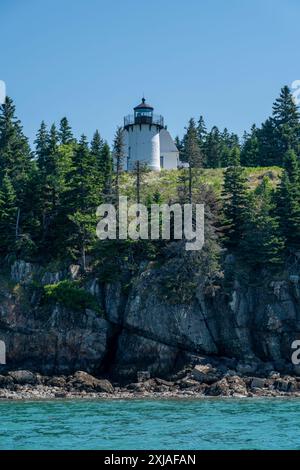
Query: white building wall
(148, 144)
(170, 160)
(143, 144)
(168, 150)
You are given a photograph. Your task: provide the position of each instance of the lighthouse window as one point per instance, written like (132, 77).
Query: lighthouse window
(161, 161)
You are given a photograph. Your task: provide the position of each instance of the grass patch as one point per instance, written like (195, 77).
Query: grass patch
(166, 181)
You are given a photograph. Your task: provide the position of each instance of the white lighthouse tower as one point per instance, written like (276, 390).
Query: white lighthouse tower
(148, 141)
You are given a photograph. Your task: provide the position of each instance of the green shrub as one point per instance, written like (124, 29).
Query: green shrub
(71, 295)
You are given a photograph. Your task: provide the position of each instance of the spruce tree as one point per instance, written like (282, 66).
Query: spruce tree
(234, 157)
(288, 201)
(8, 216)
(118, 158)
(81, 200)
(250, 148)
(15, 154)
(41, 145)
(262, 245)
(65, 132)
(15, 159)
(97, 144)
(287, 124)
(235, 204)
(213, 149)
(106, 171)
(268, 144)
(191, 146)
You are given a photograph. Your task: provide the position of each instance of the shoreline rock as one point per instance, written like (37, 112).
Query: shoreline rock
(26, 385)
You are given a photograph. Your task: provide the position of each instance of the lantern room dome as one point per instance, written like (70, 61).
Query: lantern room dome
(143, 105)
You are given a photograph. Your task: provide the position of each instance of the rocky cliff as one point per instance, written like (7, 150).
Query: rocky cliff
(248, 328)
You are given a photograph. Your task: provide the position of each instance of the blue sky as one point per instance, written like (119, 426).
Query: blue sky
(91, 60)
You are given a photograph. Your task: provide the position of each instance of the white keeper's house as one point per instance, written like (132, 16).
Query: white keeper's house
(147, 140)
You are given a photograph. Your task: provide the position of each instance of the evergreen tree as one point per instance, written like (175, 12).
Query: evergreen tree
(118, 157)
(191, 147)
(235, 204)
(106, 171)
(267, 144)
(201, 131)
(234, 157)
(8, 216)
(213, 149)
(81, 200)
(287, 124)
(97, 144)
(65, 132)
(280, 132)
(250, 148)
(262, 245)
(41, 145)
(15, 155)
(178, 143)
(288, 201)
(15, 159)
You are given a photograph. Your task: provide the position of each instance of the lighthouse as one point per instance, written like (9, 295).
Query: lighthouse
(147, 140)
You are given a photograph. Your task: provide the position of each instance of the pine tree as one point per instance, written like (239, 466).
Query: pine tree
(178, 143)
(15, 159)
(106, 171)
(65, 132)
(97, 144)
(279, 132)
(234, 157)
(235, 204)
(15, 155)
(41, 145)
(213, 149)
(286, 121)
(191, 147)
(201, 130)
(54, 163)
(267, 144)
(288, 201)
(96, 149)
(262, 245)
(250, 148)
(8, 216)
(118, 158)
(81, 200)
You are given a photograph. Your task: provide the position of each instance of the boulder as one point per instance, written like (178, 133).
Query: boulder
(220, 388)
(23, 377)
(257, 382)
(57, 381)
(136, 386)
(205, 374)
(282, 385)
(6, 381)
(164, 382)
(188, 383)
(84, 381)
(142, 376)
(237, 385)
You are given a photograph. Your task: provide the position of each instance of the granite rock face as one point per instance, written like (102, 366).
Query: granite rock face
(55, 340)
(141, 331)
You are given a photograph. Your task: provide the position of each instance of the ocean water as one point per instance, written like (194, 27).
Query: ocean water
(151, 424)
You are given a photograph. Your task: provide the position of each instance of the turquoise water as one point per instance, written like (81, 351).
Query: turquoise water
(151, 424)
